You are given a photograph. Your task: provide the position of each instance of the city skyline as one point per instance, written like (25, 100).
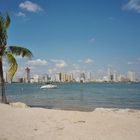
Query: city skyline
(87, 76)
(73, 36)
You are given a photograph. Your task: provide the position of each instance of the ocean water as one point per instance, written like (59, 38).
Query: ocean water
(77, 96)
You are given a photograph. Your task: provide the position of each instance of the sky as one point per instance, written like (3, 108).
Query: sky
(76, 35)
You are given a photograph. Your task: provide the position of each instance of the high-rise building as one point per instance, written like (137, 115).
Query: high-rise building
(89, 77)
(64, 77)
(57, 77)
(35, 79)
(114, 76)
(27, 76)
(82, 77)
(109, 74)
(131, 76)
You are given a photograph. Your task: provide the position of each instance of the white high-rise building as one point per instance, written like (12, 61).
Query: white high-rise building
(131, 76)
(114, 76)
(57, 77)
(89, 77)
(109, 74)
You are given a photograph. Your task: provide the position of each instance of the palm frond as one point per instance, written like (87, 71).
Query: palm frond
(7, 21)
(24, 52)
(13, 66)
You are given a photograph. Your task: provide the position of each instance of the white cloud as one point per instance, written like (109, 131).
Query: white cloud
(92, 39)
(59, 63)
(38, 62)
(132, 5)
(130, 63)
(30, 6)
(20, 14)
(88, 61)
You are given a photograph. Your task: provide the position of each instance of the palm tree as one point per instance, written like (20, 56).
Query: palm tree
(9, 52)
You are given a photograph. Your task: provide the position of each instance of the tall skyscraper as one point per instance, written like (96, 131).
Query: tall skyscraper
(82, 77)
(109, 74)
(114, 76)
(27, 77)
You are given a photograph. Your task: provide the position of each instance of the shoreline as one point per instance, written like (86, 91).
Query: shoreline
(78, 108)
(19, 121)
(89, 110)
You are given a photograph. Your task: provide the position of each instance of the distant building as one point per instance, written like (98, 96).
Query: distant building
(35, 79)
(27, 75)
(112, 76)
(109, 74)
(131, 76)
(122, 78)
(115, 77)
(82, 77)
(64, 77)
(89, 77)
(21, 80)
(57, 77)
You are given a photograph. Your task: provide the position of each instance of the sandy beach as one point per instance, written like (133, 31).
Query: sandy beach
(24, 123)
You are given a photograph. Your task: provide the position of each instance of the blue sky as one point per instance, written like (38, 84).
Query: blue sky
(76, 35)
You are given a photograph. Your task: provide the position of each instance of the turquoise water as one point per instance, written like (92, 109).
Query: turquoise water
(76, 96)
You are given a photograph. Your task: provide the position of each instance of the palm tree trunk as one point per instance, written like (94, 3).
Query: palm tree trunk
(4, 99)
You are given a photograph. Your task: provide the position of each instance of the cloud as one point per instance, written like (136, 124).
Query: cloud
(92, 39)
(132, 5)
(20, 14)
(59, 63)
(38, 62)
(30, 7)
(88, 61)
(130, 63)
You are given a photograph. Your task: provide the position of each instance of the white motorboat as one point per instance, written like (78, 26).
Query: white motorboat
(48, 86)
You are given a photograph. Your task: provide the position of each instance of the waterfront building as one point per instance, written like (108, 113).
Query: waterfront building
(131, 76)
(114, 76)
(89, 77)
(27, 76)
(57, 77)
(122, 78)
(20, 80)
(109, 74)
(64, 77)
(35, 79)
(82, 77)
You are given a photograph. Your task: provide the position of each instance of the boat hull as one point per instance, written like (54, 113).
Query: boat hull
(48, 86)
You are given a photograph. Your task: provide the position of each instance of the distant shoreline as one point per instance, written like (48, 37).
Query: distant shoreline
(81, 82)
